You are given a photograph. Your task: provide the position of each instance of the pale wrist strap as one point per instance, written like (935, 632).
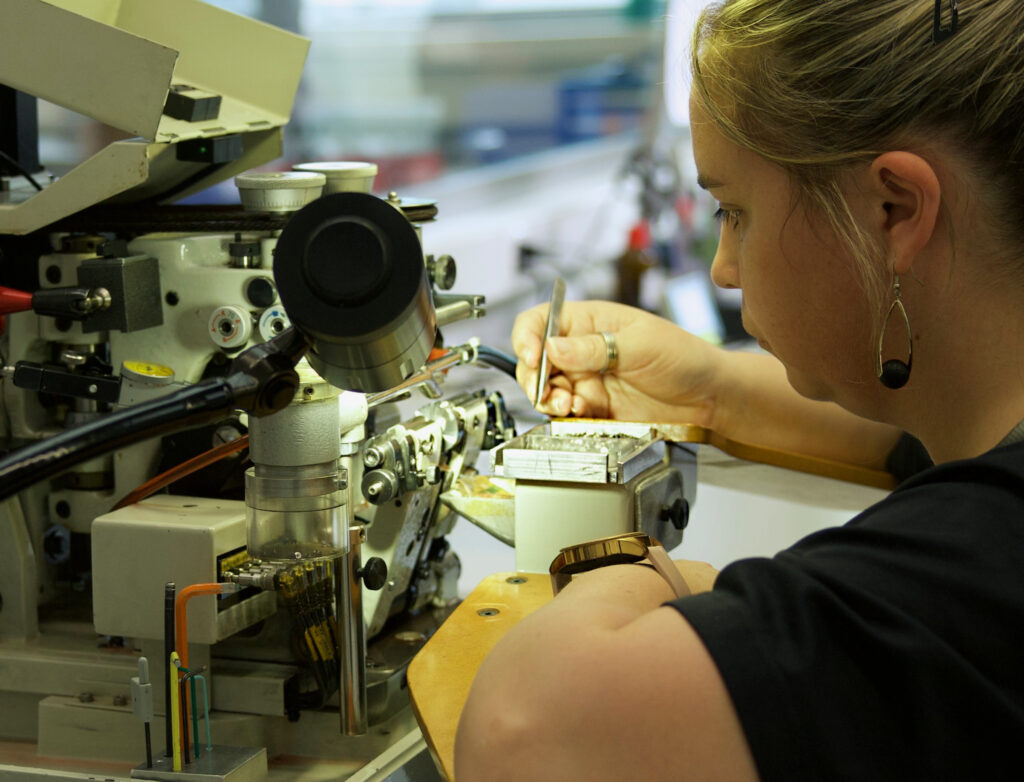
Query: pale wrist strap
(667, 569)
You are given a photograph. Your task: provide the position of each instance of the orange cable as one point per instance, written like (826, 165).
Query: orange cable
(178, 472)
(181, 629)
(180, 614)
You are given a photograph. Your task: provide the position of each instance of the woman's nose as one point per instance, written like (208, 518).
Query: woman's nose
(725, 272)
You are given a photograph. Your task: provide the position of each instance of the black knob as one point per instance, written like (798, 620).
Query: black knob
(374, 573)
(260, 291)
(678, 513)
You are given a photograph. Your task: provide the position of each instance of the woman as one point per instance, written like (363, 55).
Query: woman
(868, 158)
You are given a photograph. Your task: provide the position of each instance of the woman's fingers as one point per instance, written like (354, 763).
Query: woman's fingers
(576, 386)
(558, 402)
(587, 353)
(526, 334)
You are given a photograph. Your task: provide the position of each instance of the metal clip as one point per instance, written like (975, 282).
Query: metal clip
(940, 33)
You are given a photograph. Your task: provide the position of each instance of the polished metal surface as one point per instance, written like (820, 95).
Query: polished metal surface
(379, 360)
(452, 307)
(550, 330)
(584, 457)
(219, 764)
(426, 375)
(348, 596)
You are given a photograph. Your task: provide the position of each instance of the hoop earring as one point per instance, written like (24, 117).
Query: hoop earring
(894, 373)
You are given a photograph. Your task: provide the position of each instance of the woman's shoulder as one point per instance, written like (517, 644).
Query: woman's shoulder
(912, 607)
(986, 488)
(1001, 466)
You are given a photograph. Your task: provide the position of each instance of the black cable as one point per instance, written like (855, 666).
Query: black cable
(262, 381)
(497, 359)
(169, 642)
(198, 404)
(20, 169)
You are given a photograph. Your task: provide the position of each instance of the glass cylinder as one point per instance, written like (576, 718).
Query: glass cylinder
(296, 512)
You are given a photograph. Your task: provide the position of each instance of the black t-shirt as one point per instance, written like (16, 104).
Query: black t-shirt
(891, 648)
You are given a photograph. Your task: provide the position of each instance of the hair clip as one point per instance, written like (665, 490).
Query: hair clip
(940, 33)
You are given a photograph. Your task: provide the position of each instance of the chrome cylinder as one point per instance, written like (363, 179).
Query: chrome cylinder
(350, 271)
(348, 593)
(383, 358)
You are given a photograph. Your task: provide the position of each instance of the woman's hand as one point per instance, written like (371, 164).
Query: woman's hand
(663, 372)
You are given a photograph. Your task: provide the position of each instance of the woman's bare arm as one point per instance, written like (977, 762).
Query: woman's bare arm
(603, 683)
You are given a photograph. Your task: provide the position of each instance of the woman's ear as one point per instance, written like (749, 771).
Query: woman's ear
(907, 189)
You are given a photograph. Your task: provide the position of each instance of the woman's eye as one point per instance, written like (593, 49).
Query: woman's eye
(730, 217)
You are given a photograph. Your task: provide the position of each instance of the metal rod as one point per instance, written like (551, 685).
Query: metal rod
(425, 375)
(550, 330)
(351, 643)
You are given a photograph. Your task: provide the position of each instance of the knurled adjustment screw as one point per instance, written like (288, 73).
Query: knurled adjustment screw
(442, 271)
(374, 573)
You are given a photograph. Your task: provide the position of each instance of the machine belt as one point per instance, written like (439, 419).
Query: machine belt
(136, 220)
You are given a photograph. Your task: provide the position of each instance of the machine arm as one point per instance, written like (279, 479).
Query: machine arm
(263, 381)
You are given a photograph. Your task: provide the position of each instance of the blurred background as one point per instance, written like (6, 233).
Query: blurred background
(552, 134)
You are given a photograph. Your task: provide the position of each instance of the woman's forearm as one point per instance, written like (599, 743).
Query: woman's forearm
(539, 706)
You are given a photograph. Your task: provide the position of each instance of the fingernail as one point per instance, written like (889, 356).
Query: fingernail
(562, 408)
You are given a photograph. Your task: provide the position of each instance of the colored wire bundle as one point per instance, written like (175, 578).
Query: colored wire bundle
(182, 680)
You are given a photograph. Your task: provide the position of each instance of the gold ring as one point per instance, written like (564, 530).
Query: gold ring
(611, 352)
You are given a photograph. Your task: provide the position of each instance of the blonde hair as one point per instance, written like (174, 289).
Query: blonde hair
(819, 86)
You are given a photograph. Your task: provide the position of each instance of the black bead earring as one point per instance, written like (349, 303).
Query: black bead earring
(895, 373)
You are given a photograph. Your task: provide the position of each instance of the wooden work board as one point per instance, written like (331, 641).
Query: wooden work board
(441, 673)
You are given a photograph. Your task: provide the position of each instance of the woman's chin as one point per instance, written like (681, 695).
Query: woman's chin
(809, 386)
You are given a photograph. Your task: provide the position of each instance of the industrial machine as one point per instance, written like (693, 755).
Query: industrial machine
(250, 360)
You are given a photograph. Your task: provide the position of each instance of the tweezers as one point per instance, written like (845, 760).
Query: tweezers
(551, 330)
